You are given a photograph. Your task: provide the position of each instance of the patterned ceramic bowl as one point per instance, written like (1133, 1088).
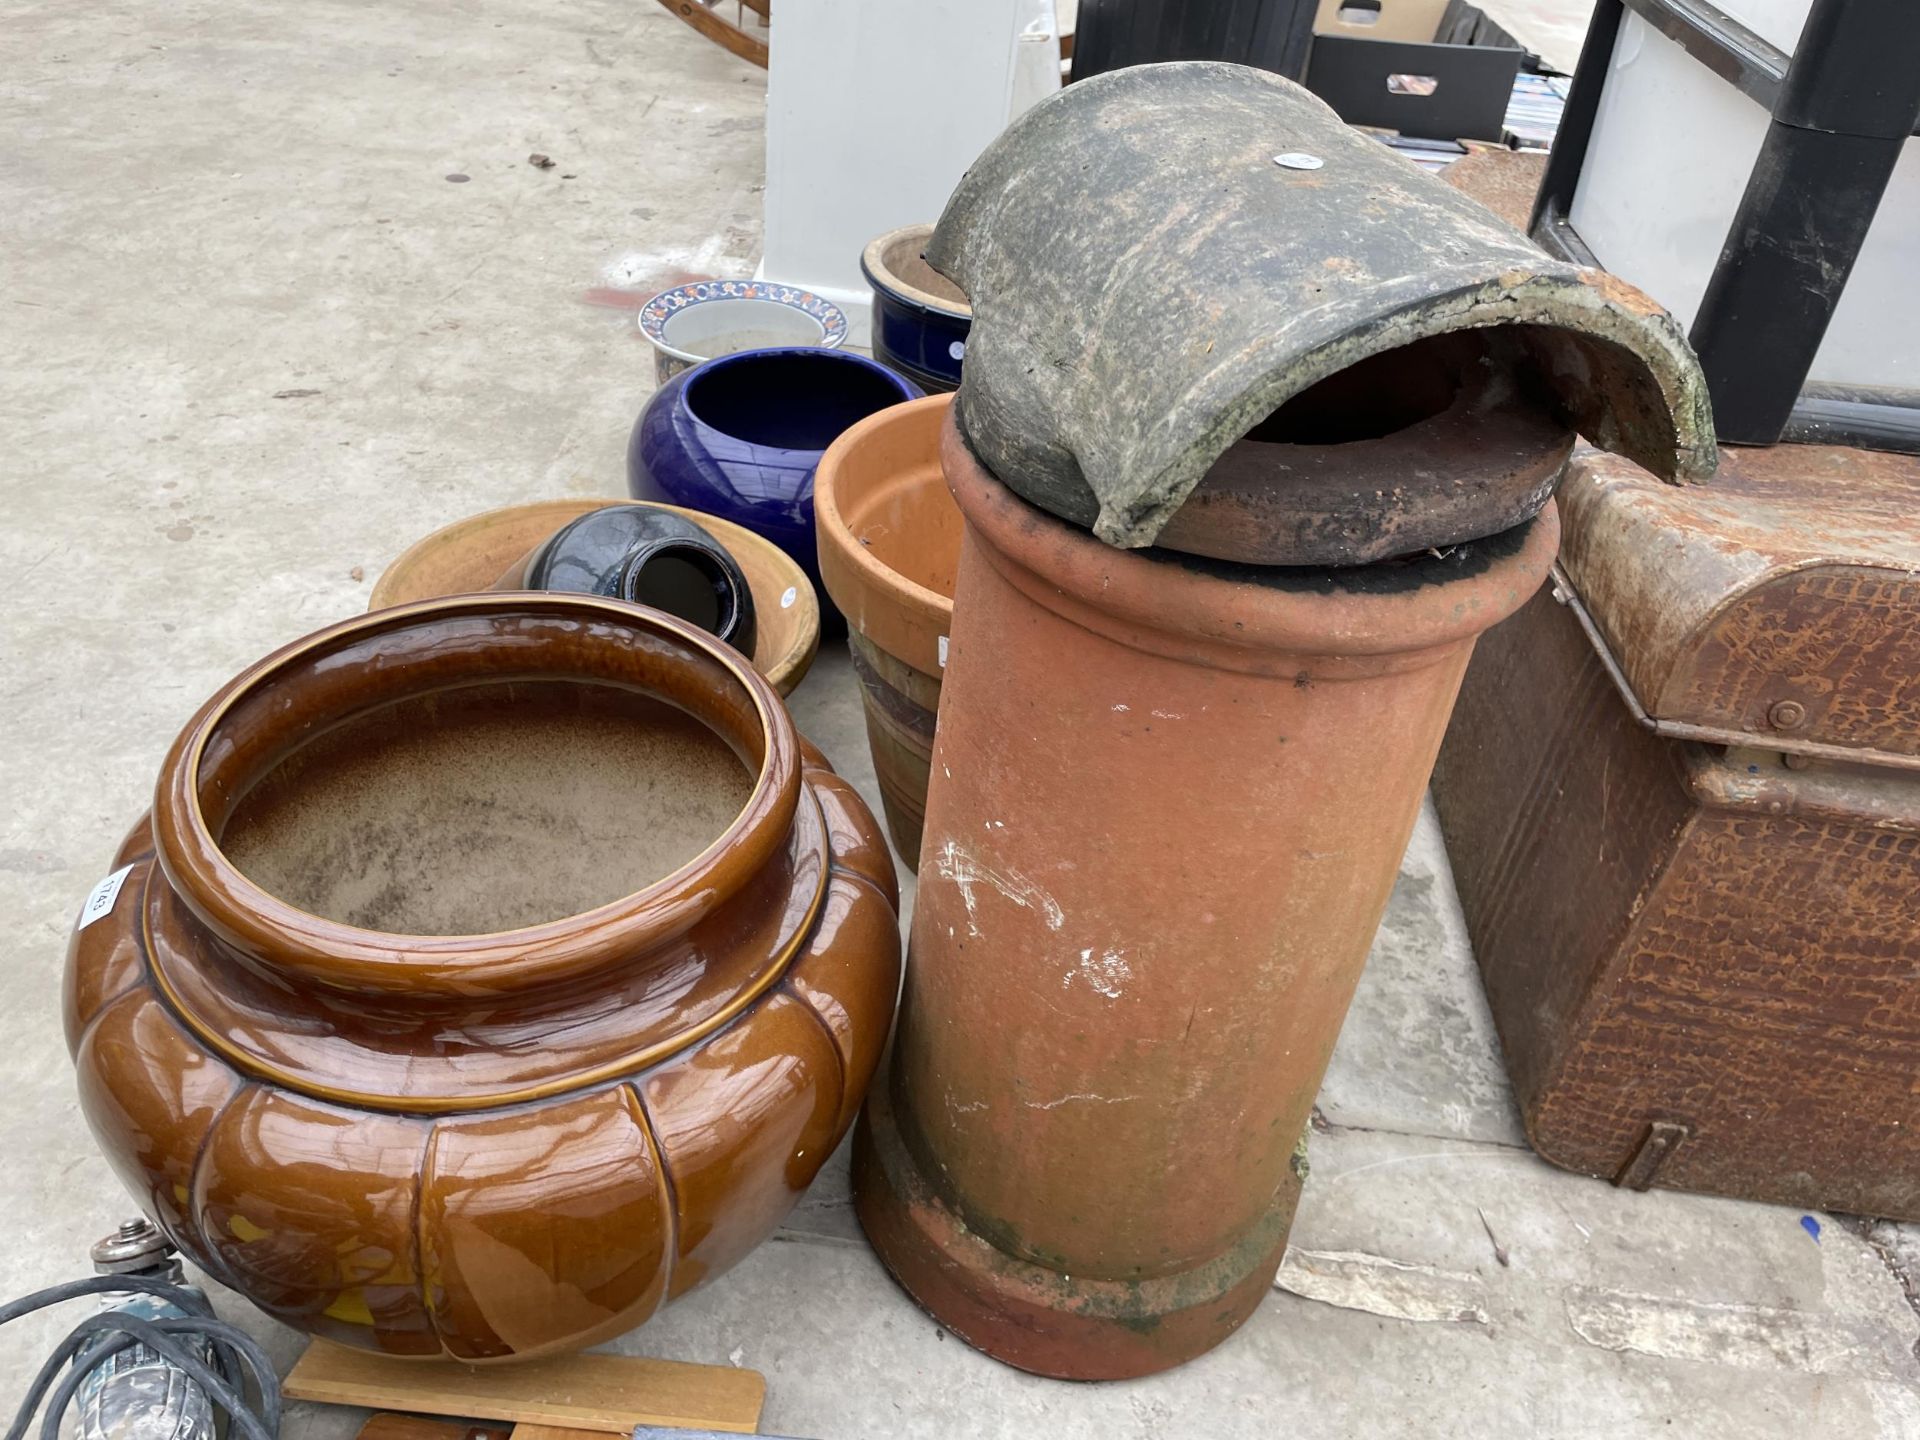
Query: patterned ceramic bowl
(696, 322)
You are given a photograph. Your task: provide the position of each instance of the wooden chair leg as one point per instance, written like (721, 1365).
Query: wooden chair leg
(721, 31)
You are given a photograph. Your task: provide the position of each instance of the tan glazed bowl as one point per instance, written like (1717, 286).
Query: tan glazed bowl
(469, 555)
(489, 972)
(889, 537)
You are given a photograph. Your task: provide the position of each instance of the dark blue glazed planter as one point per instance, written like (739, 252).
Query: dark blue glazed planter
(740, 436)
(920, 318)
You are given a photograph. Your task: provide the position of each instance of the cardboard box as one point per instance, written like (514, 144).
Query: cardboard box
(1416, 20)
(1441, 92)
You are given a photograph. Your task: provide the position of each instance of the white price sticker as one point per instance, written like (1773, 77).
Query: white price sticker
(792, 594)
(943, 652)
(100, 899)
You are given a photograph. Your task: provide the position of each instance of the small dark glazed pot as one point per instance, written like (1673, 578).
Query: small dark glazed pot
(469, 555)
(489, 972)
(740, 437)
(920, 318)
(645, 556)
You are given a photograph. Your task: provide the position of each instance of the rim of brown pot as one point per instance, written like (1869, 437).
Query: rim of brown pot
(1171, 603)
(911, 618)
(283, 938)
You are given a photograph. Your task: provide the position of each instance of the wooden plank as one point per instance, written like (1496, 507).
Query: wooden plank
(720, 31)
(555, 1432)
(606, 1394)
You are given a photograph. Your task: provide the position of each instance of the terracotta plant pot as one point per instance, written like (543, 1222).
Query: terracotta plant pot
(1169, 799)
(490, 971)
(889, 537)
(470, 555)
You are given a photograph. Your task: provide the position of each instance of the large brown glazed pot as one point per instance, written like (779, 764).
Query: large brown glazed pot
(1169, 800)
(491, 971)
(889, 537)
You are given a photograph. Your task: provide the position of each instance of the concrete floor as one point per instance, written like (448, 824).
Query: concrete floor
(255, 341)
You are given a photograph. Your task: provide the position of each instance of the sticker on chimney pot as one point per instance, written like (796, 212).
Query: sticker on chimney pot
(792, 594)
(100, 900)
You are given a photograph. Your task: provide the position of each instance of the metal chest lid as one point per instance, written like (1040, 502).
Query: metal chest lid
(1158, 258)
(1778, 607)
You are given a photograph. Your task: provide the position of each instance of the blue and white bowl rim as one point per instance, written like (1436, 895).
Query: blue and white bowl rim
(668, 303)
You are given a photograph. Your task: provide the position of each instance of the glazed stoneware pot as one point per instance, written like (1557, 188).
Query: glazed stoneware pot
(489, 972)
(920, 318)
(889, 547)
(696, 322)
(1175, 867)
(471, 554)
(739, 437)
(645, 555)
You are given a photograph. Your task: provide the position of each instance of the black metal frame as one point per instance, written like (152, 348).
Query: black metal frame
(1841, 109)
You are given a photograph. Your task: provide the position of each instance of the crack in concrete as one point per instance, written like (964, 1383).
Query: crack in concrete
(1873, 1232)
(1318, 1121)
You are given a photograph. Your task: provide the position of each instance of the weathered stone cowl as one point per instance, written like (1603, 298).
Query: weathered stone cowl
(1152, 279)
(487, 1145)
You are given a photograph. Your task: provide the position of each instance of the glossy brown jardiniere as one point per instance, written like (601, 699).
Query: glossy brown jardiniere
(471, 555)
(889, 547)
(1169, 800)
(490, 971)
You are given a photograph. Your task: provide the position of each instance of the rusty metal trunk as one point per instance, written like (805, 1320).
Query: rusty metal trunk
(1681, 798)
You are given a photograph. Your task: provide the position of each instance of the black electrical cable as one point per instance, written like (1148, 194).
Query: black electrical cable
(236, 1354)
(157, 1336)
(186, 1299)
(230, 1346)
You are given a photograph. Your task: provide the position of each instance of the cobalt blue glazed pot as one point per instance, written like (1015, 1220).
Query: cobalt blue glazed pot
(920, 318)
(740, 437)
